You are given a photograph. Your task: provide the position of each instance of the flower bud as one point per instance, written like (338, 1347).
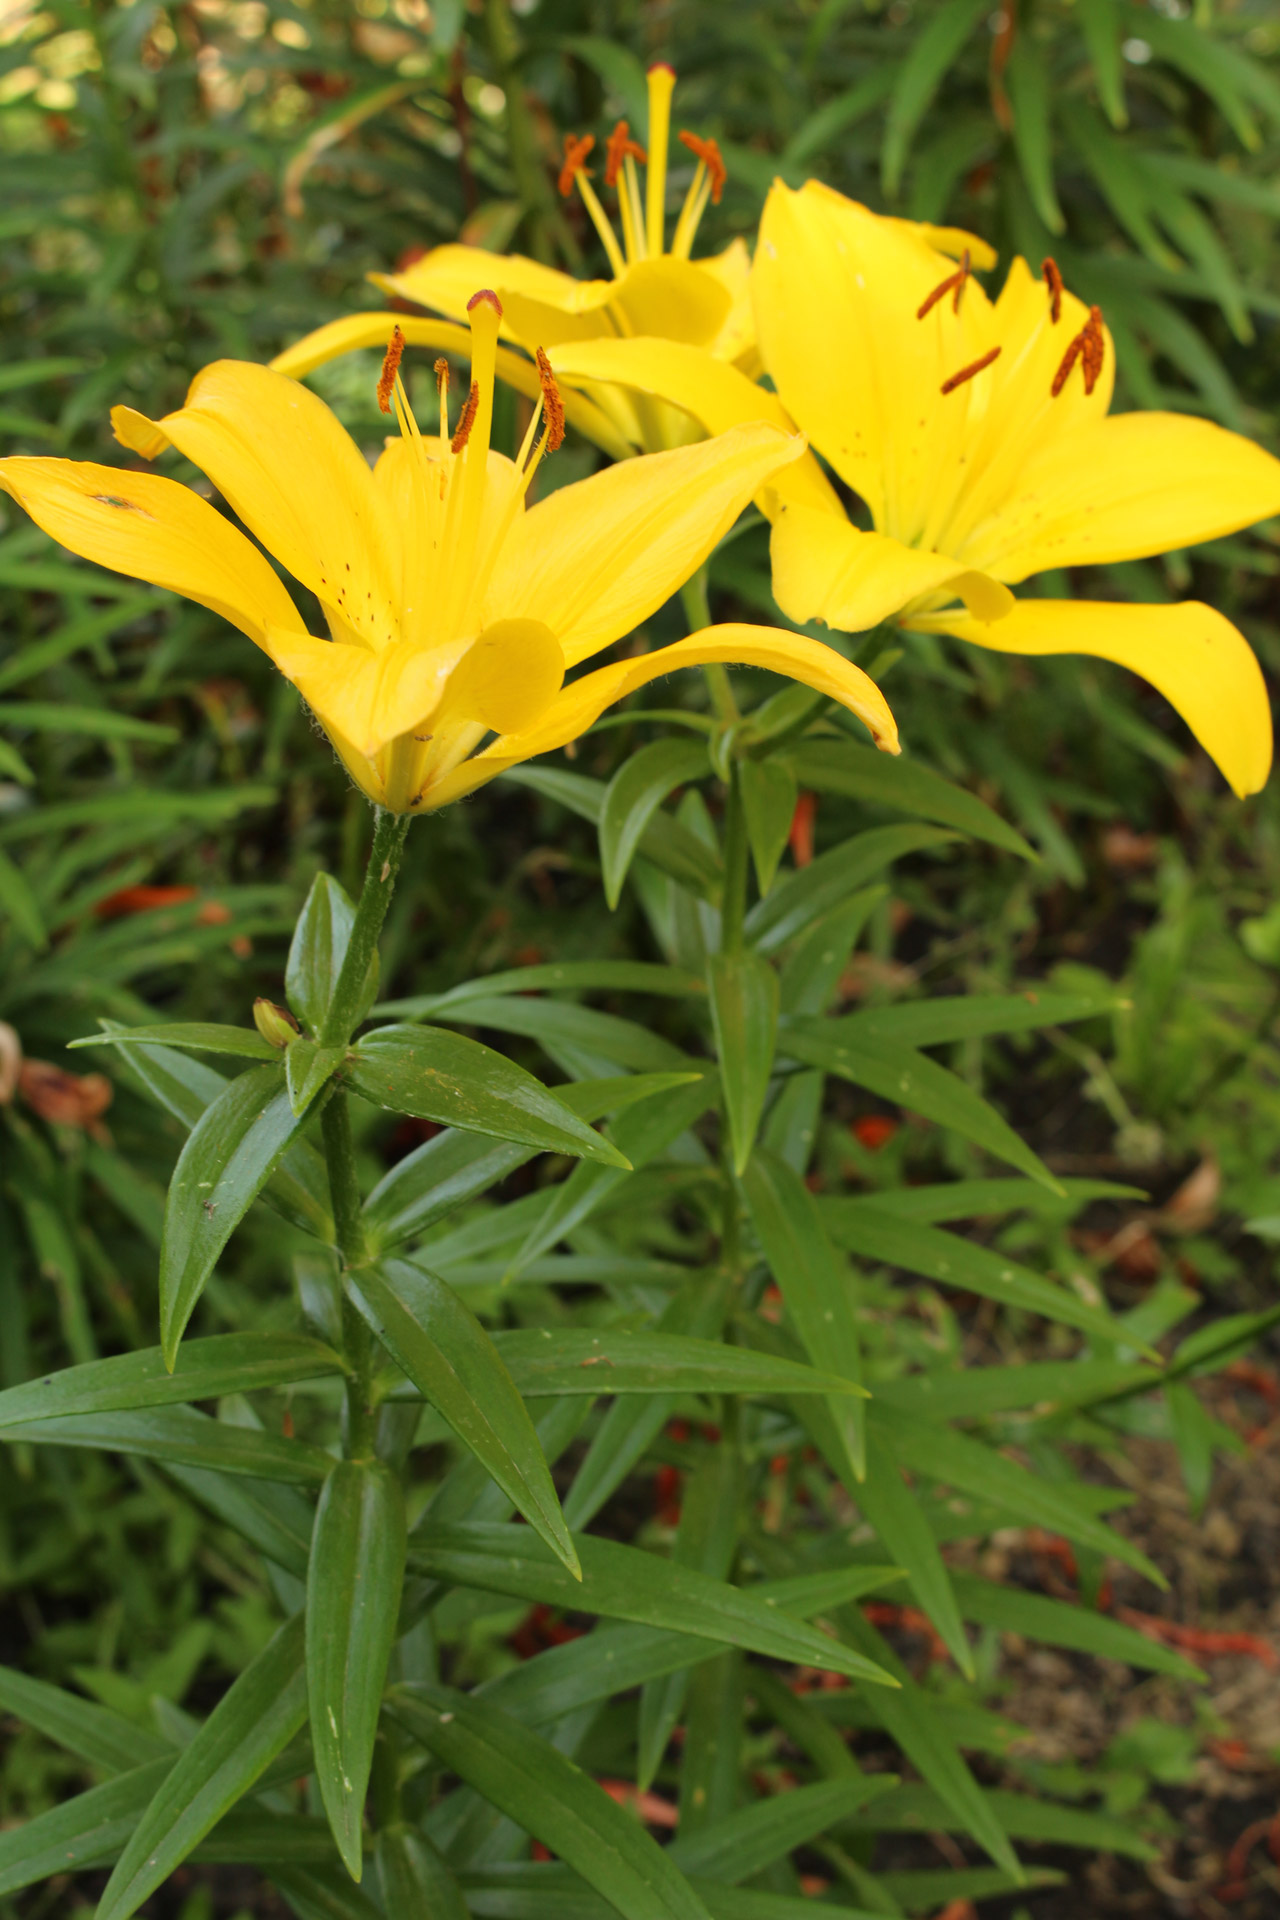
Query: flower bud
(276, 1024)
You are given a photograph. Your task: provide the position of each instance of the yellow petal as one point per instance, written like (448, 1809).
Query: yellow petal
(356, 330)
(447, 277)
(715, 393)
(579, 705)
(595, 559)
(672, 300)
(1125, 487)
(736, 340)
(155, 530)
(825, 569)
(289, 469)
(1197, 659)
(507, 678)
(367, 698)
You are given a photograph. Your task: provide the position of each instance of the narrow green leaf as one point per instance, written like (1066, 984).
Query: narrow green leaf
(816, 1285)
(976, 1393)
(315, 1894)
(453, 1363)
(415, 1879)
(1028, 82)
(1100, 25)
(1059, 1624)
(196, 1036)
(204, 1370)
(255, 1719)
(900, 1523)
(971, 1199)
(756, 1835)
(446, 1077)
(812, 969)
(19, 903)
(610, 1360)
(905, 785)
(271, 1516)
(803, 897)
(183, 1436)
(769, 792)
(667, 843)
(634, 795)
(549, 1797)
(744, 1013)
(558, 976)
(97, 723)
(1228, 77)
(86, 1831)
(876, 1234)
(912, 1080)
(228, 1159)
(969, 1016)
(555, 1025)
(353, 1600)
(627, 1584)
(318, 949)
(934, 49)
(91, 1732)
(308, 1067)
(918, 1809)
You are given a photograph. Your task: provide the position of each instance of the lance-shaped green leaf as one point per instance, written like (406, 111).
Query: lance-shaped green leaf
(877, 1234)
(183, 1437)
(562, 1028)
(186, 1088)
(86, 1831)
(353, 1599)
(275, 1518)
(668, 843)
(903, 784)
(580, 1360)
(748, 1841)
(440, 1175)
(193, 1036)
(317, 1893)
(551, 1798)
(552, 976)
(627, 1584)
(816, 1285)
(744, 1013)
(454, 1364)
(317, 951)
(1103, 34)
(969, 1016)
(443, 1076)
(93, 1733)
(634, 795)
(255, 1719)
(969, 1199)
(204, 1370)
(914, 1809)
(1060, 1624)
(903, 1529)
(956, 1460)
(415, 1879)
(1028, 82)
(933, 50)
(803, 897)
(769, 791)
(912, 1080)
(227, 1160)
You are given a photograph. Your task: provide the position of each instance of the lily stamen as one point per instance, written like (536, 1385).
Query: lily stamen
(1089, 347)
(552, 404)
(619, 147)
(575, 172)
(390, 369)
(441, 371)
(577, 147)
(467, 419)
(1053, 280)
(967, 373)
(953, 284)
(707, 185)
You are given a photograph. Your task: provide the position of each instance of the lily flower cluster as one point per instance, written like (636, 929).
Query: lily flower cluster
(965, 445)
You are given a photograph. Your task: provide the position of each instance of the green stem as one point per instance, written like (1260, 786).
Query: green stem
(345, 1008)
(344, 1187)
(697, 612)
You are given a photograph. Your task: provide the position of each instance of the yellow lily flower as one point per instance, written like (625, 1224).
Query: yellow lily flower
(453, 612)
(977, 434)
(656, 289)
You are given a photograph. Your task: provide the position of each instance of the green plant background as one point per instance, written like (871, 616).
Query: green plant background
(170, 193)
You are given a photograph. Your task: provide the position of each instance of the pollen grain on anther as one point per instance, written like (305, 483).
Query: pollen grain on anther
(953, 284)
(708, 151)
(467, 420)
(1053, 280)
(967, 373)
(552, 404)
(621, 147)
(390, 369)
(576, 149)
(1089, 348)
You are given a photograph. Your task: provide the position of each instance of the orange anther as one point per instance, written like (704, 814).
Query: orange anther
(390, 368)
(576, 149)
(1088, 347)
(967, 373)
(465, 424)
(708, 151)
(1053, 280)
(954, 283)
(620, 146)
(552, 404)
